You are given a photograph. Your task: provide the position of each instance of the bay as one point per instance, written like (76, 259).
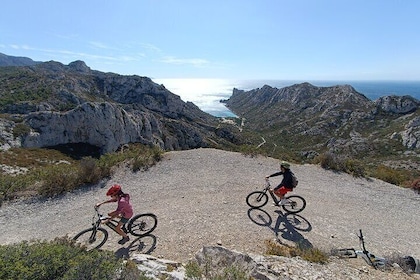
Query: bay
(207, 93)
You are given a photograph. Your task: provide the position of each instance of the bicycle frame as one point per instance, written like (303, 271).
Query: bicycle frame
(111, 223)
(369, 258)
(267, 189)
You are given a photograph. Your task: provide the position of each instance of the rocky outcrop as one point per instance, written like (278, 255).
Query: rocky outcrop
(100, 124)
(411, 135)
(334, 115)
(397, 104)
(72, 104)
(218, 261)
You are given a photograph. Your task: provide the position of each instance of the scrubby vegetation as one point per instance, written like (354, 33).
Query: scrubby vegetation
(194, 271)
(49, 172)
(309, 254)
(62, 259)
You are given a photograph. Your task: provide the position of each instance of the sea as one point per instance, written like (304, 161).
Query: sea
(207, 93)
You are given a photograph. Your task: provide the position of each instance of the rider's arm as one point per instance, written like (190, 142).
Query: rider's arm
(274, 174)
(107, 201)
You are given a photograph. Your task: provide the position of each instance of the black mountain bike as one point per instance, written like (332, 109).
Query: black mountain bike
(257, 199)
(96, 236)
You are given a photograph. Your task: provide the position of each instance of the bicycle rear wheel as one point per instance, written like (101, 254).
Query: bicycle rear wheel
(344, 253)
(257, 199)
(294, 204)
(142, 224)
(92, 238)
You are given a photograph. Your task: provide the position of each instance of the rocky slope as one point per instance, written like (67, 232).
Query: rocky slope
(49, 104)
(310, 120)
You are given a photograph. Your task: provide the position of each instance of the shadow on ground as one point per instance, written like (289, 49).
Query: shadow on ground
(286, 226)
(143, 245)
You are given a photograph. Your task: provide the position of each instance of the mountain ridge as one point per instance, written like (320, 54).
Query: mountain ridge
(58, 104)
(309, 121)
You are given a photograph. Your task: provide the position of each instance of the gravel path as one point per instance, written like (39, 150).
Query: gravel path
(199, 198)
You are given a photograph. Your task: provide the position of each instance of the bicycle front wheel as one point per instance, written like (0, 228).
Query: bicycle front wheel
(294, 204)
(92, 238)
(142, 224)
(257, 199)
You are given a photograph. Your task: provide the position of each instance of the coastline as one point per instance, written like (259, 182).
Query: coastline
(207, 93)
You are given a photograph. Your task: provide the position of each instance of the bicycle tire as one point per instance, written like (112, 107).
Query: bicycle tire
(142, 224)
(257, 199)
(295, 204)
(344, 253)
(91, 238)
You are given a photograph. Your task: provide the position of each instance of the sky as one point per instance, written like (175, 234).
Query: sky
(221, 39)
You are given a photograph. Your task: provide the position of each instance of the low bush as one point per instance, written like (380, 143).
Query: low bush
(231, 272)
(58, 259)
(310, 254)
(334, 162)
(20, 130)
(389, 175)
(50, 175)
(58, 179)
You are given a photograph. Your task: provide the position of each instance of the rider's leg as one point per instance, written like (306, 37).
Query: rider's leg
(120, 231)
(125, 237)
(280, 192)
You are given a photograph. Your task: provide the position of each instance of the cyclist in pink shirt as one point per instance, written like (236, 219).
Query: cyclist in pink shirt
(124, 209)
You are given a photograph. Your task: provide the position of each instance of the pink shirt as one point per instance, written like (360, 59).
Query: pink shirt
(124, 207)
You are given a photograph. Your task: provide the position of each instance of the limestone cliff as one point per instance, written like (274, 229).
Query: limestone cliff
(72, 104)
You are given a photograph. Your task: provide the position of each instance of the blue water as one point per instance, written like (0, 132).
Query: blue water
(371, 89)
(207, 93)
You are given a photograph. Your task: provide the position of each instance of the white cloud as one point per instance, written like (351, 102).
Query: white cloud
(197, 62)
(98, 45)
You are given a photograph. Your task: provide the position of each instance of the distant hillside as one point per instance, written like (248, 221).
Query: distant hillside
(309, 120)
(49, 104)
(7, 60)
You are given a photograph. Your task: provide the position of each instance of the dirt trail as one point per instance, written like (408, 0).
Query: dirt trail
(199, 198)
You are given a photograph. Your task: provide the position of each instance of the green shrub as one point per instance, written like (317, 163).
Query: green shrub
(355, 168)
(9, 185)
(20, 130)
(274, 248)
(309, 254)
(332, 161)
(231, 272)
(329, 161)
(193, 270)
(58, 179)
(51, 172)
(131, 272)
(313, 255)
(90, 172)
(144, 158)
(58, 259)
(389, 175)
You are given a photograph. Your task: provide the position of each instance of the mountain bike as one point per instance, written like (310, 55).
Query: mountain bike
(96, 236)
(257, 199)
(370, 259)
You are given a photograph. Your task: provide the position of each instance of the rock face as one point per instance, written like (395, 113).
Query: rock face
(72, 104)
(213, 260)
(339, 116)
